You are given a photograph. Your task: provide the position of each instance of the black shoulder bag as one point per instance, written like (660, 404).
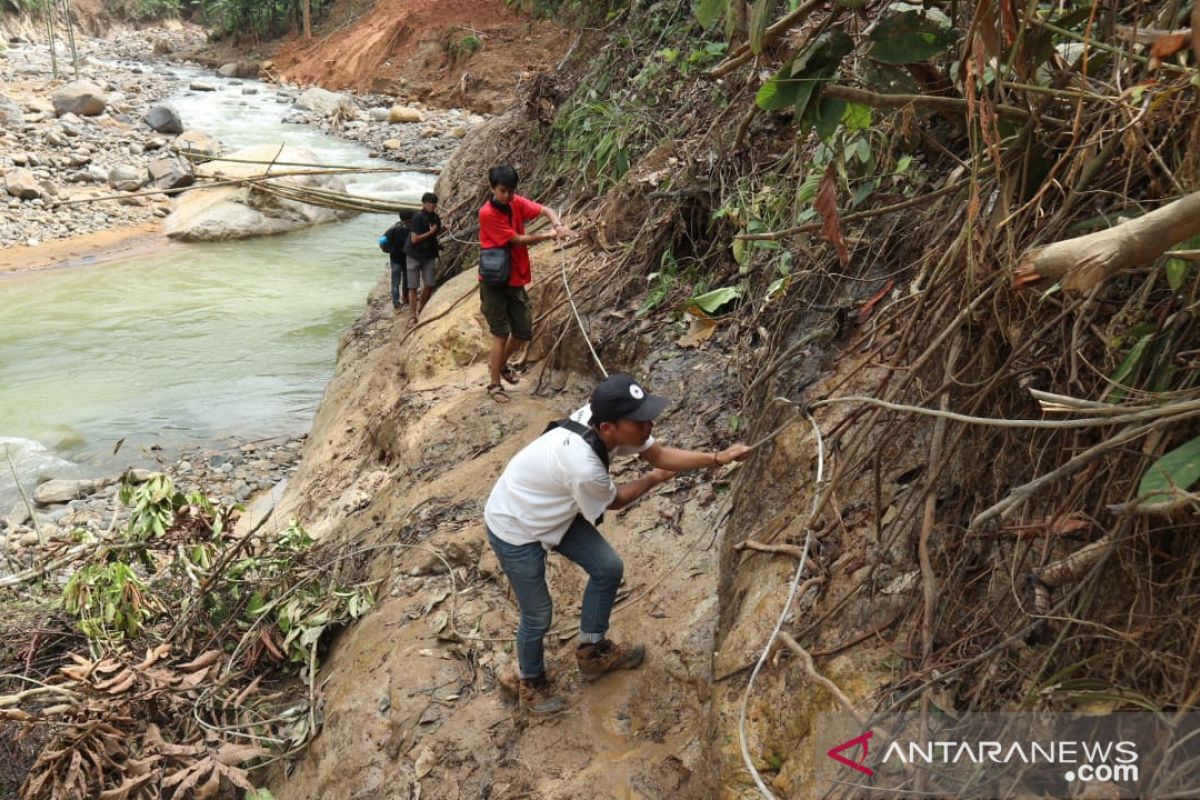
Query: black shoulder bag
(495, 263)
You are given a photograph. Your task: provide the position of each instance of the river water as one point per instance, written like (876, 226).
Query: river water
(195, 344)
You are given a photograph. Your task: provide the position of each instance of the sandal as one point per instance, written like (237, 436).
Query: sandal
(510, 375)
(496, 392)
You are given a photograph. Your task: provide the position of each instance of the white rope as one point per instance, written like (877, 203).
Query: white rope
(562, 264)
(758, 781)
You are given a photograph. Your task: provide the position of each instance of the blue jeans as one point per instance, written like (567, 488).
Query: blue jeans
(525, 566)
(399, 279)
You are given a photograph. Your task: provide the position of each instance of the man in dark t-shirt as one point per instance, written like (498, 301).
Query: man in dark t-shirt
(421, 251)
(507, 309)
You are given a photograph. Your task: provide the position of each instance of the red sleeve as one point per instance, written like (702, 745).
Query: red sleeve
(528, 209)
(494, 228)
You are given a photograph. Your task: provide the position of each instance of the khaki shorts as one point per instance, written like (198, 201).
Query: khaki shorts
(507, 310)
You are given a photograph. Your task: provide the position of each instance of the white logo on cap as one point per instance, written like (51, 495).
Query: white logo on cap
(636, 392)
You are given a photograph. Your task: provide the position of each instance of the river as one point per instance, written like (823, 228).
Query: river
(195, 343)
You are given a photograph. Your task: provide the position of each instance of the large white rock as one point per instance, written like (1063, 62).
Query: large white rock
(239, 212)
(83, 98)
(324, 102)
(10, 113)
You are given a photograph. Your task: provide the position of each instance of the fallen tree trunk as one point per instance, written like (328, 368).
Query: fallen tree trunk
(1084, 262)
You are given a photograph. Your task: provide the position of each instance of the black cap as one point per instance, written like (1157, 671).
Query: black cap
(620, 397)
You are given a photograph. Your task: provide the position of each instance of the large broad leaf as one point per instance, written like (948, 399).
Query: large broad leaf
(910, 34)
(1177, 470)
(709, 302)
(709, 11)
(779, 92)
(817, 65)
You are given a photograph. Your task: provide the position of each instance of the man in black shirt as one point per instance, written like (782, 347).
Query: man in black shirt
(422, 252)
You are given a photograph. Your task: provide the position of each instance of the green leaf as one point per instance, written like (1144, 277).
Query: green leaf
(1132, 361)
(808, 189)
(258, 794)
(913, 35)
(709, 11)
(1177, 270)
(1178, 469)
(709, 302)
(779, 92)
(857, 117)
(760, 15)
(741, 252)
(861, 193)
(828, 116)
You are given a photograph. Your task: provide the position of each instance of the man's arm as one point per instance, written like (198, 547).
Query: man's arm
(631, 491)
(676, 460)
(557, 229)
(417, 238)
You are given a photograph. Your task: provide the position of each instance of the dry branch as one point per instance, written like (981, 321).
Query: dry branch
(1086, 261)
(952, 104)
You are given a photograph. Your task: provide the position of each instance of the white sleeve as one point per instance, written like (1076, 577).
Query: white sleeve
(594, 496)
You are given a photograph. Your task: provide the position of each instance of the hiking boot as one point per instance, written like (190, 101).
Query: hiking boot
(509, 680)
(537, 696)
(607, 656)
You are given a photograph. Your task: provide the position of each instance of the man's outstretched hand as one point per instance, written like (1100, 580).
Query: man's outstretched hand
(735, 452)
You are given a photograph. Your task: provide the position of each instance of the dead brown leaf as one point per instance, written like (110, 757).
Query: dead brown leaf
(1168, 45)
(868, 308)
(700, 329)
(206, 659)
(130, 784)
(826, 205)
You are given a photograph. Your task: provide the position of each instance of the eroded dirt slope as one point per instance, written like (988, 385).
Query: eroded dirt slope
(450, 53)
(404, 451)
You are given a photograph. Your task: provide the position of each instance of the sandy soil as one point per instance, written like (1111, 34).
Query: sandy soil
(91, 248)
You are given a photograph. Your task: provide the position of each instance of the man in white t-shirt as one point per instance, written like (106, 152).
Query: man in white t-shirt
(551, 495)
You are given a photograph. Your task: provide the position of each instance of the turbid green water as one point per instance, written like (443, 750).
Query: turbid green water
(197, 343)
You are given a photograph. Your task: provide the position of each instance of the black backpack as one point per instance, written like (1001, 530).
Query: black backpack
(394, 238)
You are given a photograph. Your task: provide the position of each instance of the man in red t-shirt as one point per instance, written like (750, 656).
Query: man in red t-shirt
(507, 308)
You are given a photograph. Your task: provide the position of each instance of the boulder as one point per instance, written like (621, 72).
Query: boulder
(11, 115)
(236, 212)
(125, 178)
(62, 491)
(324, 102)
(196, 141)
(164, 119)
(240, 69)
(380, 114)
(22, 184)
(82, 98)
(249, 90)
(397, 114)
(393, 144)
(170, 173)
(201, 86)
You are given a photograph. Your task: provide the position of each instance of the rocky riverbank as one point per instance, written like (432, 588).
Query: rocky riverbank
(112, 133)
(67, 510)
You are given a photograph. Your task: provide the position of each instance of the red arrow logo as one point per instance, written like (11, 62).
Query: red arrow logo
(858, 741)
